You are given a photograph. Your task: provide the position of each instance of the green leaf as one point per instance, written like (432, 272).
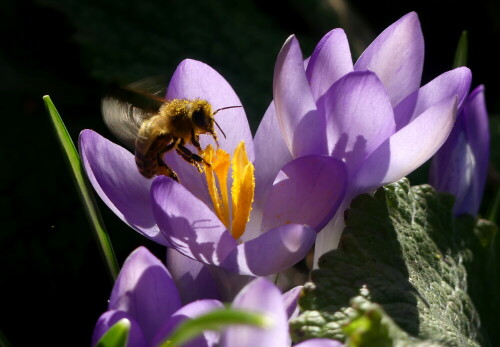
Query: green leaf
(84, 189)
(116, 336)
(462, 50)
(403, 250)
(215, 320)
(371, 326)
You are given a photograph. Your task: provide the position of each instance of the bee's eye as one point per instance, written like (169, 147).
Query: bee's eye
(200, 119)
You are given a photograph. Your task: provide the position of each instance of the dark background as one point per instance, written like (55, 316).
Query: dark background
(53, 283)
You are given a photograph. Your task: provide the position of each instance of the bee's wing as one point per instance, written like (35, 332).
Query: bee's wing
(123, 119)
(153, 87)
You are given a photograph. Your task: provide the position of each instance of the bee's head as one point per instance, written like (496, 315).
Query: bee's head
(202, 117)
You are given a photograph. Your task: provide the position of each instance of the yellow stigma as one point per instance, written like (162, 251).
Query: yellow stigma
(236, 215)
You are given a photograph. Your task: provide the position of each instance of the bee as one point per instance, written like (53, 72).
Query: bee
(159, 127)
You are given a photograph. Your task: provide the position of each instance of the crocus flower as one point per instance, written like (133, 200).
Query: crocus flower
(372, 114)
(145, 294)
(245, 220)
(460, 166)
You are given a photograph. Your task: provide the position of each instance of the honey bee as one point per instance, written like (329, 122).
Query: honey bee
(160, 127)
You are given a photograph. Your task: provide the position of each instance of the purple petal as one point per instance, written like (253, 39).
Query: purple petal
(294, 103)
(290, 299)
(189, 176)
(320, 343)
(455, 171)
(453, 82)
(197, 281)
(307, 191)
(193, 278)
(272, 252)
(328, 238)
(267, 165)
(228, 282)
(408, 148)
(188, 224)
(109, 318)
(113, 173)
(453, 159)
(193, 79)
(269, 162)
(478, 132)
(397, 57)
(359, 117)
(330, 61)
(263, 297)
(460, 166)
(190, 311)
(145, 290)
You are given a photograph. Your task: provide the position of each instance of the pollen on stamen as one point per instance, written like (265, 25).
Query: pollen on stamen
(242, 190)
(219, 166)
(235, 214)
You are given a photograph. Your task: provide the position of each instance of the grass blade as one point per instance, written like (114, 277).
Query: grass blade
(83, 188)
(462, 50)
(215, 321)
(116, 336)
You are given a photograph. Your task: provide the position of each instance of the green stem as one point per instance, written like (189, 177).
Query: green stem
(82, 185)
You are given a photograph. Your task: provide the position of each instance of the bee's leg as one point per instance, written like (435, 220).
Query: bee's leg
(190, 157)
(181, 143)
(163, 169)
(215, 139)
(195, 139)
(167, 148)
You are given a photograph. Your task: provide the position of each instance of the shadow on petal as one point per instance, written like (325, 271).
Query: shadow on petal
(187, 240)
(271, 252)
(188, 224)
(193, 278)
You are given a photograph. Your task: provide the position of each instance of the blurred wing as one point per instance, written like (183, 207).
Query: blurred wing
(154, 87)
(123, 119)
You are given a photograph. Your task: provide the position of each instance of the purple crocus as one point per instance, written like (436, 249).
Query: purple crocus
(372, 114)
(145, 294)
(460, 166)
(246, 220)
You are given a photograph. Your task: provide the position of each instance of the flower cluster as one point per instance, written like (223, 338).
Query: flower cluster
(373, 115)
(146, 295)
(335, 129)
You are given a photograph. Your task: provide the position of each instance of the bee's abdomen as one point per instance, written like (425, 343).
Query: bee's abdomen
(150, 163)
(147, 164)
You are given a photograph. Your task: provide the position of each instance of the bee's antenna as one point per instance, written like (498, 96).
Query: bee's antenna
(219, 127)
(220, 109)
(225, 108)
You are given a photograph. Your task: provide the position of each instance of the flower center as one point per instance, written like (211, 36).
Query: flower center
(234, 210)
